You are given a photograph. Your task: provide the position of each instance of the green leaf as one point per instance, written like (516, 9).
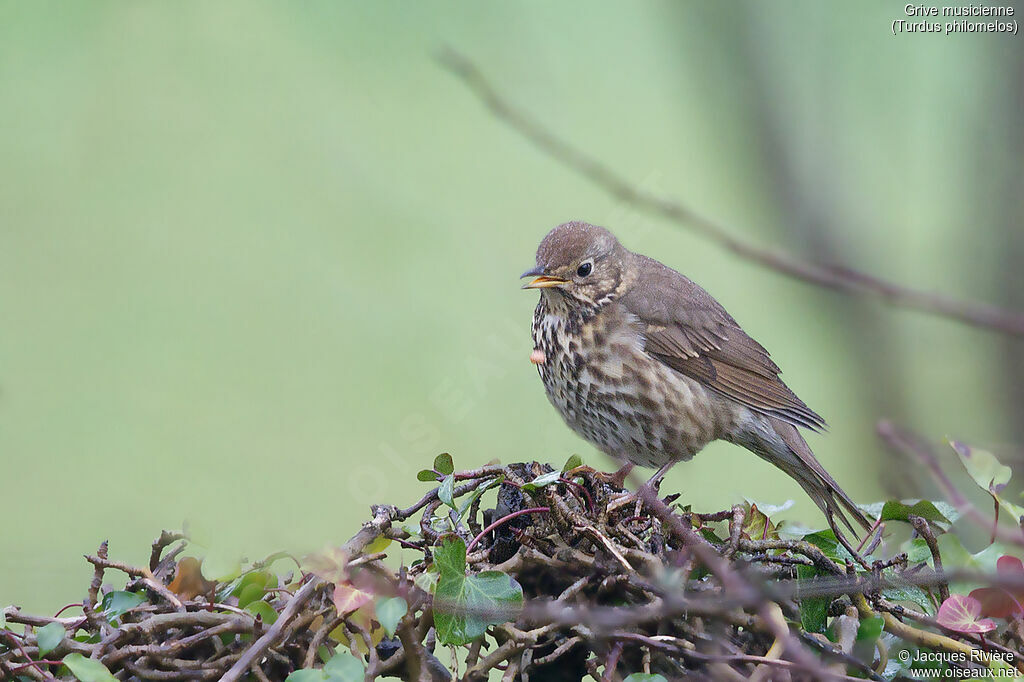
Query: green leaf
(902, 510)
(543, 480)
(249, 594)
(344, 667)
(572, 463)
(426, 581)
(252, 587)
(870, 629)
(49, 638)
(465, 606)
(813, 610)
(983, 467)
(912, 594)
(88, 669)
(480, 490)
(423, 475)
(645, 677)
(264, 610)
(987, 560)
(389, 612)
(917, 550)
(446, 490)
(953, 554)
(116, 604)
(990, 475)
(443, 463)
(826, 541)
(306, 675)
(709, 534)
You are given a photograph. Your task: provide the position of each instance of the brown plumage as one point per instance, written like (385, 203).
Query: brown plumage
(645, 364)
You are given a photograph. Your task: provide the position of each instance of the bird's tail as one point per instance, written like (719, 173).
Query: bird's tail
(800, 463)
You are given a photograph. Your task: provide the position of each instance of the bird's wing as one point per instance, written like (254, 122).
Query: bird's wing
(688, 330)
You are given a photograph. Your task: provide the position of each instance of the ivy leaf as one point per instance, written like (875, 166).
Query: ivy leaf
(389, 612)
(870, 629)
(990, 475)
(999, 602)
(87, 669)
(423, 475)
(826, 541)
(465, 606)
(542, 480)
(348, 598)
(813, 610)
(912, 594)
(264, 610)
(446, 491)
(917, 550)
(902, 510)
(344, 667)
(708, 534)
(480, 490)
(378, 544)
(443, 463)
(645, 677)
(954, 554)
(49, 638)
(119, 602)
(962, 613)
(426, 581)
(572, 463)
(188, 580)
(251, 587)
(756, 524)
(983, 467)
(306, 675)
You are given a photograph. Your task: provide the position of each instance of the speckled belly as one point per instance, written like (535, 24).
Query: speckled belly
(628, 404)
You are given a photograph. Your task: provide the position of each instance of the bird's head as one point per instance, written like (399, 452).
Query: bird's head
(583, 263)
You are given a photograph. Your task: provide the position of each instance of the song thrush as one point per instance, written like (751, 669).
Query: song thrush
(647, 366)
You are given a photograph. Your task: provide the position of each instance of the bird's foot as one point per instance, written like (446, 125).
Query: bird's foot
(616, 479)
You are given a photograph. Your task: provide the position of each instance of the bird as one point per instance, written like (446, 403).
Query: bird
(648, 367)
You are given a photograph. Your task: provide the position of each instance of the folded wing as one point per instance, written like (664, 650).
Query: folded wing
(689, 331)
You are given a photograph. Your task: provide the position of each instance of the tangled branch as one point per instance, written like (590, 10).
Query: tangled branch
(565, 577)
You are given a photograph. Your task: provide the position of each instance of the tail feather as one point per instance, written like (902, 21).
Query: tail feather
(805, 468)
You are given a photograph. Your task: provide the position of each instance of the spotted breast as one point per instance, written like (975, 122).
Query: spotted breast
(615, 395)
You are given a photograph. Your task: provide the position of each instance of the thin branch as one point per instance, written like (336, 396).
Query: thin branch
(840, 279)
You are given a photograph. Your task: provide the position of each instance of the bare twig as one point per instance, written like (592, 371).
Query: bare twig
(840, 279)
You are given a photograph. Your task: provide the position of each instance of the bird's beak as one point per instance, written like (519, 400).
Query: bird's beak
(540, 280)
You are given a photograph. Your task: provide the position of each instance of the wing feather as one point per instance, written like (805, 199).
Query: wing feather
(688, 330)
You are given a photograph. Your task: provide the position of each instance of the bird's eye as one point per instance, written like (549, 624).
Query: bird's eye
(584, 269)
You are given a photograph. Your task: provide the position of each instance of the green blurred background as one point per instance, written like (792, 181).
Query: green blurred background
(258, 261)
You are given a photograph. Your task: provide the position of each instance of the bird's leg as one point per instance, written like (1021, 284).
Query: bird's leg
(655, 480)
(616, 479)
